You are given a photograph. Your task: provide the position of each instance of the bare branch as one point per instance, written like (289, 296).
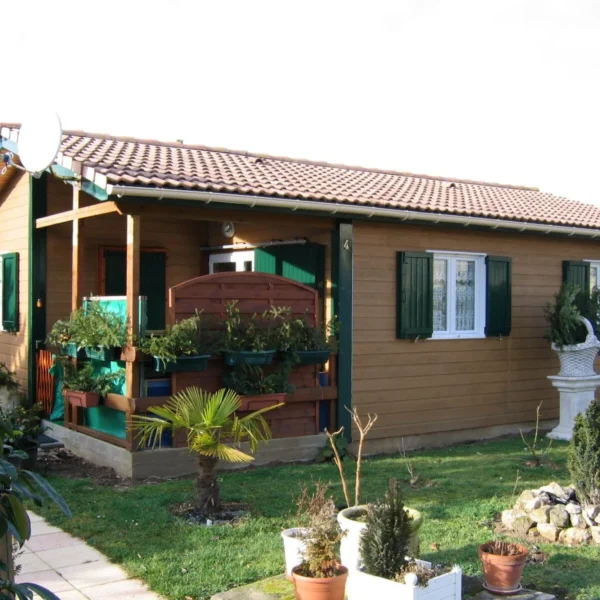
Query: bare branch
(363, 430)
(338, 460)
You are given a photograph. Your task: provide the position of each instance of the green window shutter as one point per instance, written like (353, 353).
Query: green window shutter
(10, 292)
(498, 295)
(304, 263)
(414, 299)
(577, 273)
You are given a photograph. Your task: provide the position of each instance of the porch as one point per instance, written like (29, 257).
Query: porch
(127, 250)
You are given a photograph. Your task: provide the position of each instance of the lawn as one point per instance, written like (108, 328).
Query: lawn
(133, 526)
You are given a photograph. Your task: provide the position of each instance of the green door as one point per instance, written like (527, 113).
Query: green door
(153, 282)
(304, 263)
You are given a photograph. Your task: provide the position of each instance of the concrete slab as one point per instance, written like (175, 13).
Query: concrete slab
(522, 595)
(31, 563)
(274, 588)
(70, 556)
(51, 541)
(49, 579)
(91, 574)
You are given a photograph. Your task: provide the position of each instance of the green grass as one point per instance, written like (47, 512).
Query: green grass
(472, 483)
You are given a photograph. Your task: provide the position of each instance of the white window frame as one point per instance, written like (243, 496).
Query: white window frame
(1, 296)
(594, 264)
(480, 287)
(237, 257)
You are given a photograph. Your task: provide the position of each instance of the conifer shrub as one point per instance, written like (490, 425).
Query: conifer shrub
(385, 540)
(584, 455)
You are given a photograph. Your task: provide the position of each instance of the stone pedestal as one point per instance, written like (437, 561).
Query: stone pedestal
(576, 394)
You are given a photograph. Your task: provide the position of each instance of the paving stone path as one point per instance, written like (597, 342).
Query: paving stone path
(73, 570)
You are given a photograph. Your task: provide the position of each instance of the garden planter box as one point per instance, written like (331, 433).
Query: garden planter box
(103, 354)
(444, 587)
(263, 401)
(312, 357)
(85, 399)
(350, 544)
(264, 357)
(294, 545)
(183, 363)
(71, 350)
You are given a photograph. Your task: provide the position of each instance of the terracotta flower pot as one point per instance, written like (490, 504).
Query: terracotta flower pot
(502, 574)
(320, 588)
(85, 399)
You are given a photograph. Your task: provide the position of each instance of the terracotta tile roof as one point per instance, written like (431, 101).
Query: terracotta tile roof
(149, 163)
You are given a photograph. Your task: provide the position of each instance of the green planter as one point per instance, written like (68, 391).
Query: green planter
(183, 363)
(312, 357)
(71, 350)
(264, 357)
(104, 354)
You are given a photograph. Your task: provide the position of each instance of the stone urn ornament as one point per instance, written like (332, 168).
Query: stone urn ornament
(578, 360)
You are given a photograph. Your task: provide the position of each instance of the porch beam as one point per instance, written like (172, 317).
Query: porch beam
(133, 294)
(77, 254)
(78, 213)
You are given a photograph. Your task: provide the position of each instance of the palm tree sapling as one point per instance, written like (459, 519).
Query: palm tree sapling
(213, 430)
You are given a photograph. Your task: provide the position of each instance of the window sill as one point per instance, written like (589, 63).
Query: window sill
(458, 336)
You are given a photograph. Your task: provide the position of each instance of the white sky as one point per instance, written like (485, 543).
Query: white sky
(502, 90)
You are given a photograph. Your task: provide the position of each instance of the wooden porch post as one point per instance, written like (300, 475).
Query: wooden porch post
(76, 267)
(133, 294)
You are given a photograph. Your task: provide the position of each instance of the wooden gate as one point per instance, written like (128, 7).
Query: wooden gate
(44, 380)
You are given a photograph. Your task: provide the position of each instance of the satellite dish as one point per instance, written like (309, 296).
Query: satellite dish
(39, 141)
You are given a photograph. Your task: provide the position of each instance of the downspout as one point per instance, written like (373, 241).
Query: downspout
(347, 209)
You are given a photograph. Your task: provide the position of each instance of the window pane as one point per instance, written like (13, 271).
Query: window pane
(593, 278)
(465, 295)
(440, 295)
(224, 267)
(247, 265)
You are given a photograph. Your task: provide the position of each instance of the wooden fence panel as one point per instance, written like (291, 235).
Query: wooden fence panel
(44, 381)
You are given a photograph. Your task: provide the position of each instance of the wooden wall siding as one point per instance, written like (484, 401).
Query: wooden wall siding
(182, 240)
(14, 237)
(443, 385)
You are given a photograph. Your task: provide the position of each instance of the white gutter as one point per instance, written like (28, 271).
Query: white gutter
(332, 208)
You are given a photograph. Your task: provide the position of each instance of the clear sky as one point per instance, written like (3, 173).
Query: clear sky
(497, 90)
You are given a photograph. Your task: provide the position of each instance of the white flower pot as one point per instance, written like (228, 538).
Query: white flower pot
(294, 546)
(578, 360)
(350, 544)
(444, 587)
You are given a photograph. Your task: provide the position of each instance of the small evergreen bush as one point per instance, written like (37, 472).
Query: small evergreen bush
(584, 455)
(564, 326)
(385, 540)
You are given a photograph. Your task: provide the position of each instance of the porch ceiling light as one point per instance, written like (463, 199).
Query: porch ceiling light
(228, 229)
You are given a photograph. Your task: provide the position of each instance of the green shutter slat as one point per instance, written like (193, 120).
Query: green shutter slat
(414, 297)
(10, 292)
(498, 296)
(577, 273)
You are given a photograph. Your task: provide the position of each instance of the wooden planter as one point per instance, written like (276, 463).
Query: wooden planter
(71, 350)
(183, 363)
(84, 399)
(264, 357)
(103, 354)
(312, 357)
(263, 401)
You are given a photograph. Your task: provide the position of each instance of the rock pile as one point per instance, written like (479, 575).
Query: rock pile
(554, 513)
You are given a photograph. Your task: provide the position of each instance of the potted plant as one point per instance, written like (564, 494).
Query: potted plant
(321, 576)
(308, 345)
(102, 332)
(186, 346)
(571, 333)
(26, 426)
(61, 336)
(503, 565)
(9, 396)
(83, 387)
(251, 341)
(386, 571)
(256, 389)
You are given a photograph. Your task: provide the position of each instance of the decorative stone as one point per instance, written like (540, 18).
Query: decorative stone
(540, 515)
(595, 531)
(559, 516)
(548, 531)
(555, 489)
(522, 525)
(578, 521)
(544, 498)
(520, 595)
(508, 518)
(592, 511)
(574, 536)
(533, 533)
(573, 508)
(589, 521)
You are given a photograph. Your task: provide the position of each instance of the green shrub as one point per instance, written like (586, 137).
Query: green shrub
(7, 378)
(60, 334)
(86, 380)
(95, 326)
(584, 455)
(385, 540)
(564, 326)
(250, 380)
